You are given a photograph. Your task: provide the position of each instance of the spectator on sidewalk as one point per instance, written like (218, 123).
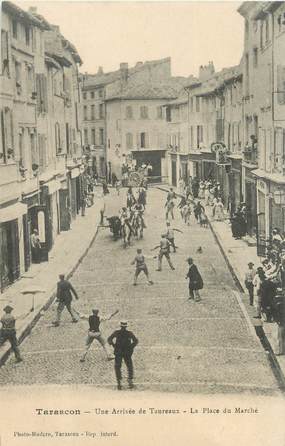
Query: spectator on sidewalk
(218, 210)
(64, 297)
(8, 331)
(124, 342)
(280, 319)
(195, 281)
(95, 333)
(248, 281)
(256, 283)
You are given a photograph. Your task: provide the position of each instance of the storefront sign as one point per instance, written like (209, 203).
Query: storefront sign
(52, 186)
(13, 212)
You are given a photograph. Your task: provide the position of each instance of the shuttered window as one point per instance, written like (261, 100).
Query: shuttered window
(42, 97)
(42, 152)
(4, 54)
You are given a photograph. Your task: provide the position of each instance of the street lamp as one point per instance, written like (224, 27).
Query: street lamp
(279, 196)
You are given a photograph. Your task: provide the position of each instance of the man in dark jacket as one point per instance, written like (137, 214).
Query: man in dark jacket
(124, 342)
(195, 281)
(64, 297)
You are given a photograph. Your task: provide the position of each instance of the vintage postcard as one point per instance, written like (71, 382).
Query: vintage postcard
(142, 223)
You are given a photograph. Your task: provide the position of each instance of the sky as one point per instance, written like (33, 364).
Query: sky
(108, 33)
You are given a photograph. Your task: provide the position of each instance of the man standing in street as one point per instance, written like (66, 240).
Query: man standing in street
(8, 331)
(195, 281)
(64, 297)
(248, 281)
(139, 260)
(94, 332)
(164, 252)
(124, 342)
(170, 235)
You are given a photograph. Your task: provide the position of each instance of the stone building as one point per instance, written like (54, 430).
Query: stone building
(208, 111)
(97, 91)
(135, 117)
(32, 170)
(264, 116)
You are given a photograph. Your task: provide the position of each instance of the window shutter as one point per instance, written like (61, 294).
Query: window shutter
(146, 140)
(4, 53)
(44, 93)
(39, 97)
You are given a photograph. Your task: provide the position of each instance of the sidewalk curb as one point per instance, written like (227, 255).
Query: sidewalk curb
(275, 366)
(52, 295)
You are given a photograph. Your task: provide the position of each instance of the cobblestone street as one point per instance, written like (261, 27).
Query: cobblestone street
(204, 347)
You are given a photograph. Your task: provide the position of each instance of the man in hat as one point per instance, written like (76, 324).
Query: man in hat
(64, 297)
(248, 281)
(170, 235)
(8, 331)
(95, 333)
(164, 252)
(124, 342)
(195, 281)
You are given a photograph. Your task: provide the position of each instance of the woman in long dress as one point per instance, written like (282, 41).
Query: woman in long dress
(218, 210)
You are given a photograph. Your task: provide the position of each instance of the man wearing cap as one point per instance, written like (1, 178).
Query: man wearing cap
(64, 296)
(94, 331)
(164, 252)
(248, 281)
(8, 331)
(124, 342)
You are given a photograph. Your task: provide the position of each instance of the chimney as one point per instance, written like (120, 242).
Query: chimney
(33, 10)
(124, 72)
(100, 70)
(206, 71)
(138, 64)
(56, 28)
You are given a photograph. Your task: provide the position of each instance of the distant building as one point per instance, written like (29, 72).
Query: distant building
(98, 90)
(136, 128)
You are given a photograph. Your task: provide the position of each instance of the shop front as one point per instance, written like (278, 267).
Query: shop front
(209, 167)
(30, 222)
(74, 191)
(250, 198)
(11, 241)
(195, 164)
(50, 216)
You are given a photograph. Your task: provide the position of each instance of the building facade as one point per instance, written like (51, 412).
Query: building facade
(32, 169)
(263, 94)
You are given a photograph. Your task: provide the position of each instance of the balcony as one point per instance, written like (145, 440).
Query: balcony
(250, 155)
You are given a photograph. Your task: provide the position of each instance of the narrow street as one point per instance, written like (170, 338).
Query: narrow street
(184, 346)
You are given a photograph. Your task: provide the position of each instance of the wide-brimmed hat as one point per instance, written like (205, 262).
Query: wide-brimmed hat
(124, 323)
(250, 264)
(8, 309)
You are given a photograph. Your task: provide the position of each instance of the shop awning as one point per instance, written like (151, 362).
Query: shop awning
(274, 177)
(13, 212)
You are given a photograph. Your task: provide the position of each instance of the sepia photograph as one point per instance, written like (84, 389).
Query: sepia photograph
(142, 223)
